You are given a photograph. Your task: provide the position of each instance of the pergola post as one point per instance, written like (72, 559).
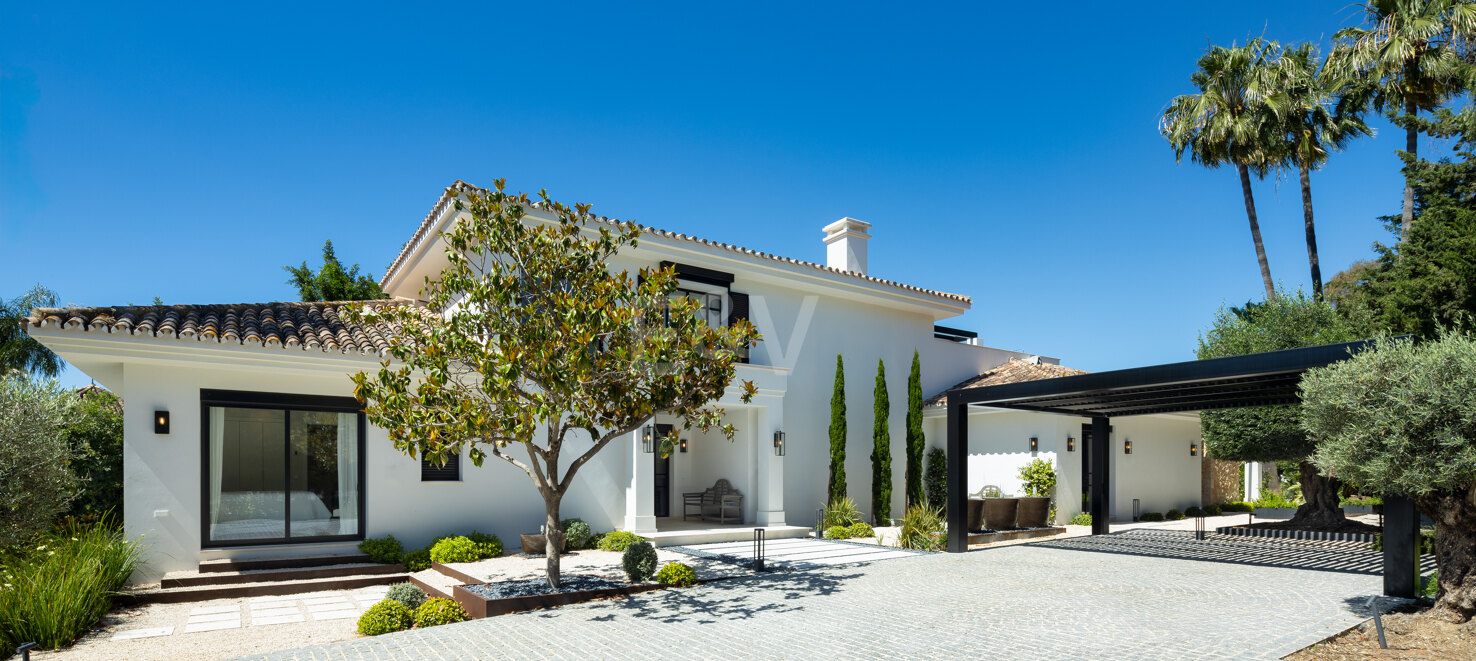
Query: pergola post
(1101, 459)
(1401, 538)
(958, 476)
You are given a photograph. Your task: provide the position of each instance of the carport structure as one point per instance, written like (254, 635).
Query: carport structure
(1261, 379)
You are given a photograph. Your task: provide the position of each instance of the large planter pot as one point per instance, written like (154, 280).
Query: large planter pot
(1032, 512)
(976, 514)
(999, 513)
(538, 544)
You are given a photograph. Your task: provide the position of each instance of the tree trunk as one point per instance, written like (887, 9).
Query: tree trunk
(1250, 213)
(1311, 231)
(1411, 145)
(1455, 552)
(553, 538)
(1321, 493)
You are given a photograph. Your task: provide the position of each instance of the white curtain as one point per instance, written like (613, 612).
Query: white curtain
(348, 473)
(217, 462)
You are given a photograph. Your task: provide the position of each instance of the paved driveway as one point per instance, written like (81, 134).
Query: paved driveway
(1018, 602)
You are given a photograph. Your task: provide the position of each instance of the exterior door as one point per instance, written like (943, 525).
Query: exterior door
(662, 482)
(1086, 468)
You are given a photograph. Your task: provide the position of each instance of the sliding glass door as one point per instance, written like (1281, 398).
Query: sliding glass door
(279, 468)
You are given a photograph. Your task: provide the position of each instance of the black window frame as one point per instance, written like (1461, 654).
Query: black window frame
(244, 399)
(453, 463)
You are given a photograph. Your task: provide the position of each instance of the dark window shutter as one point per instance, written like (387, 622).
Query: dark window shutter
(430, 472)
(738, 309)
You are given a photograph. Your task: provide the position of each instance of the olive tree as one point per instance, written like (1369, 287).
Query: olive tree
(1400, 419)
(36, 480)
(532, 345)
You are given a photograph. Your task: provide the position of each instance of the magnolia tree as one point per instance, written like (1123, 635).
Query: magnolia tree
(534, 346)
(1401, 420)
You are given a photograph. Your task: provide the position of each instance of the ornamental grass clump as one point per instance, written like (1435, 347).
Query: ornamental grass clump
(639, 561)
(60, 587)
(438, 611)
(842, 512)
(406, 593)
(922, 528)
(676, 575)
(387, 616)
(454, 549)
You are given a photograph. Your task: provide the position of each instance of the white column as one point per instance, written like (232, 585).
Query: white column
(770, 491)
(640, 497)
(1252, 480)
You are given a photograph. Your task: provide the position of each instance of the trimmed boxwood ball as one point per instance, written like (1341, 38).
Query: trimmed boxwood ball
(639, 561)
(387, 616)
(406, 593)
(862, 529)
(1212, 510)
(384, 550)
(1173, 515)
(835, 532)
(577, 534)
(454, 549)
(1193, 511)
(438, 611)
(677, 575)
(619, 540)
(488, 546)
(1150, 516)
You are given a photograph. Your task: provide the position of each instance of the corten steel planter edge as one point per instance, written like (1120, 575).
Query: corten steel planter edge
(999, 513)
(976, 514)
(1033, 511)
(478, 606)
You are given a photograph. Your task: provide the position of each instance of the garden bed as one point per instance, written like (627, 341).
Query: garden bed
(488, 599)
(1346, 526)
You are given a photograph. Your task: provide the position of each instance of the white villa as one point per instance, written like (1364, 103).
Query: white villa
(242, 436)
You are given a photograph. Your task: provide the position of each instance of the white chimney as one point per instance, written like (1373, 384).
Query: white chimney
(845, 245)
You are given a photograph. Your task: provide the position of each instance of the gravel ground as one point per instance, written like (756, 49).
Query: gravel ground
(534, 586)
(1410, 637)
(589, 562)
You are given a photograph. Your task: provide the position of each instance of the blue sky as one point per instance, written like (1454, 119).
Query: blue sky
(190, 151)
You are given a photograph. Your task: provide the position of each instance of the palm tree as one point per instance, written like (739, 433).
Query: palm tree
(1408, 55)
(19, 351)
(1225, 123)
(1315, 115)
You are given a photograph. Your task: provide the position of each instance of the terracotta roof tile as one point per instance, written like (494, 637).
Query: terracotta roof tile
(423, 231)
(1015, 371)
(303, 326)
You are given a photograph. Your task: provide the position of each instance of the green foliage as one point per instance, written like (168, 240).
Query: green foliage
(881, 450)
(1194, 511)
(1082, 519)
(437, 611)
(837, 488)
(454, 549)
(54, 591)
(387, 616)
(842, 513)
(1150, 516)
(1173, 515)
(1211, 510)
(36, 480)
(836, 532)
(384, 550)
(417, 560)
(1273, 500)
(1289, 321)
(333, 282)
(1431, 585)
(676, 575)
(922, 529)
(1361, 500)
(19, 351)
(619, 540)
(917, 443)
(1238, 506)
(639, 561)
(543, 337)
(860, 530)
(406, 593)
(95, 434)
(935, 480)
(1038, 478)
(488, 546)
(577, 534)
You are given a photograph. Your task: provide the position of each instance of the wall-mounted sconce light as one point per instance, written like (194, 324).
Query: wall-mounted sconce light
(778, 443)
(1127, 447)
(161, 422)
(648, 440)
(1193, 450)
(1070, 443)
(1034, 445)
(682, 445)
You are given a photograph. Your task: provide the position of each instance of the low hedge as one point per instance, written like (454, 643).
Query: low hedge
(454, 549)
(417, 560)
(1150, 516)
(384, 550)
(387, 616)
(1174, 515)
(619, 540)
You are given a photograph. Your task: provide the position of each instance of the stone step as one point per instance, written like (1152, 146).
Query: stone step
(281, 562)
(194, 579)
(259, 589)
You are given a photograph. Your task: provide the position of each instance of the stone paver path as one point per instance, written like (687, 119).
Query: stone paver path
(224, 614)
(800, 553)
(1017, 602)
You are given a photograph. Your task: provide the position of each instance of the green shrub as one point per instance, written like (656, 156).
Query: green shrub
(619, 540)
(921, 528)
(488, 546)
(1239, 506)
(95, 433)
(595, 539)
(1194, 511)
(384, 550)
(835, 532)
(860, 530)
(841, 513)
(639, 561)
(676, 574)
(417, 560)
(1173, 515)
(1082, 519)
(36, 481)
(387, 616)
(1212, 510)
(1431, 585)
(438, 611)
(406, 593)
(1150, 516)
(59, 588)
(454, 549)
(1273, 499)
(577, 534)
(1038, 478)
(935, 479)
(1361, 500)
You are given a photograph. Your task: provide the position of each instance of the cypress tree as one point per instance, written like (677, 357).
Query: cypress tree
(881, 453)
(837, 489)
(916, 444)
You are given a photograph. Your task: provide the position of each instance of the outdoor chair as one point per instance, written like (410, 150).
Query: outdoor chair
(720, 502)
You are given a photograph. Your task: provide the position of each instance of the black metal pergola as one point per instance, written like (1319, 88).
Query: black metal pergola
(1261, 379)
